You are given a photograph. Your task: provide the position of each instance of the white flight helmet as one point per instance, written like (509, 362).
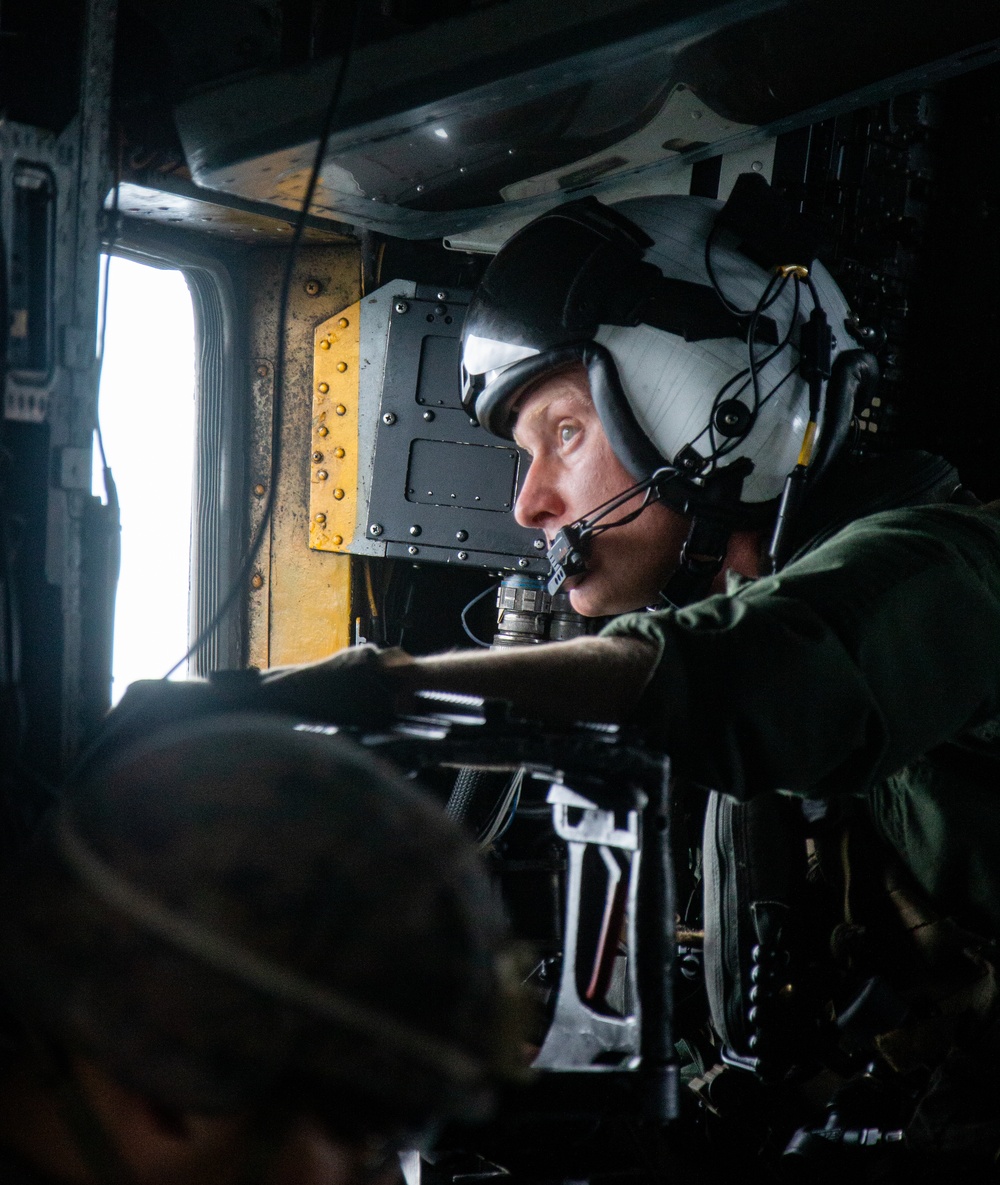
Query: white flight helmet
(657, 298)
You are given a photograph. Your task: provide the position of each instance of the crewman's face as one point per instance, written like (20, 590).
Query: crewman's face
(573, 470)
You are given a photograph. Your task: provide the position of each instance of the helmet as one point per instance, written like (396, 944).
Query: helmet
(240, 912)
(656, 297)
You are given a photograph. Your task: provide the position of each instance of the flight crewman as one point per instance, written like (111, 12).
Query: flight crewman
(786, 617)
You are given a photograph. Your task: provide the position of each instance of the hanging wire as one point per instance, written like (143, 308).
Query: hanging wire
(475, 601)
(277, 402)
(110, 488)
(504, 814)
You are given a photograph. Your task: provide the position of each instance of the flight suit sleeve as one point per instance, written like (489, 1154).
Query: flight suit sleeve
(835, 673)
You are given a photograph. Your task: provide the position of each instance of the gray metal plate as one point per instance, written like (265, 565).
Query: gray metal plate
(442, 489)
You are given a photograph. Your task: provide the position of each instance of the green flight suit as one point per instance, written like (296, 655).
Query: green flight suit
(871, 666)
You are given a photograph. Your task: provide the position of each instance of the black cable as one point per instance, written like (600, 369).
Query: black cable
(110, 488)
(263, 526)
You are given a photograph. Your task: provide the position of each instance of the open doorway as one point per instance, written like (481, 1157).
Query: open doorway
(147, 417)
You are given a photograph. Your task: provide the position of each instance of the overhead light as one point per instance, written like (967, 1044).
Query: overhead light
(441, 133)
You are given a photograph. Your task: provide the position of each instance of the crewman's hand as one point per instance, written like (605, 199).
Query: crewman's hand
(351, 687)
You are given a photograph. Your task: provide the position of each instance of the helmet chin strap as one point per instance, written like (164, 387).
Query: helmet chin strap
(712, 525)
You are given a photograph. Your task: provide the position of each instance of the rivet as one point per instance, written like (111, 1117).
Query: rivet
(262, 372)
(757, 166)
(259, 490)
(343, 323)
(322, 430)
(375, 529)
(340, 410)
(389, 418)
(338, 453)
(428, 416)
(538, 544)
(341, 367)
(415, 529)
(321, 518)
(338, 540)
(440, 309)
(413, 550)
(324, 345)
(401, 306)
(522, 563)
(317, 456)
(323, 388)
(461, 536)
(322, 475)
(463, 555)
(256, 580)
(421, 188)
(338, 494)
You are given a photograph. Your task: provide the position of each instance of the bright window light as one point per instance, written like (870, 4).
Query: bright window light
(147, 416)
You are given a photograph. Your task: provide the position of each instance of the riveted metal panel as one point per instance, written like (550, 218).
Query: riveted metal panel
(299, 599)
(333, 496)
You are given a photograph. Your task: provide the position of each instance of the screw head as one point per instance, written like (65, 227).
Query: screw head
(375, 529)
(321, 518)
(338, 494)
(413, 550)
(428, 416)
(538, 544)
(262, 372)
(442, 296)
(522, 563)
(463, 555)
(461, 536)
(317, 456)
(322, 430)
(401, 306)
(389, 418)
(259, 490)
(322, 475)
(415, 529)
(313, 287)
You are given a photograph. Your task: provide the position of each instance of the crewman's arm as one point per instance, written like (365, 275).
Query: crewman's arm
(851, 663)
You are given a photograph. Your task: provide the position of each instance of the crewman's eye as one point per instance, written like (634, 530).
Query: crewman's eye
(567, 432)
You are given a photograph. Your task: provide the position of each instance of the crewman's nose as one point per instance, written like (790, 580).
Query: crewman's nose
(540, 505)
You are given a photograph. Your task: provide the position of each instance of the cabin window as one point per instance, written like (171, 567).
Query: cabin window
(147, 417)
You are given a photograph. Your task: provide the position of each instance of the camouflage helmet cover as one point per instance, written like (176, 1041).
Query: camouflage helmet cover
(238, 907)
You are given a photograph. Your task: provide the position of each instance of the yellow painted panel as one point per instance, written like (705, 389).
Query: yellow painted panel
(333, 496)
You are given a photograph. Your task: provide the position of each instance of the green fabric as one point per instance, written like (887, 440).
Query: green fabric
(870, 667)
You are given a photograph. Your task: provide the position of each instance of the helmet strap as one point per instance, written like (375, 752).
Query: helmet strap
(702, 557)
(713, 521)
